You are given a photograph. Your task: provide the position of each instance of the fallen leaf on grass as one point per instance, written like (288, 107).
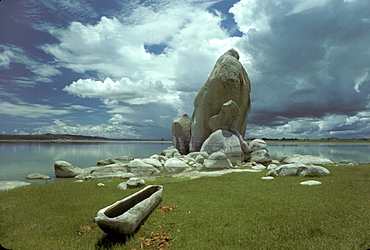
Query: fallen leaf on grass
(169, 208)
(84, 229)
(157, 240)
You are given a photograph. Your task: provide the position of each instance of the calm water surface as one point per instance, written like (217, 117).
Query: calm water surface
(18, 159)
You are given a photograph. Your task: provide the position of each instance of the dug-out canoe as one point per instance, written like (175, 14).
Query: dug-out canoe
(124, 216)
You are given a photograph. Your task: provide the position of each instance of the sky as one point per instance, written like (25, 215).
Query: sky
(128, 69)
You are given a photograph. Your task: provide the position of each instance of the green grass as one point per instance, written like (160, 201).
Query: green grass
(233, 211)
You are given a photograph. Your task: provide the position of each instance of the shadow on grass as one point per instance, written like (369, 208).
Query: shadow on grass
(109, 241)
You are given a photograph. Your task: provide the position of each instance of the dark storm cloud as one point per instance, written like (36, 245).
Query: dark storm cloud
(307, 63)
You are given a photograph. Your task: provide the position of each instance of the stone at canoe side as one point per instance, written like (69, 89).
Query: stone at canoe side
(7, 185)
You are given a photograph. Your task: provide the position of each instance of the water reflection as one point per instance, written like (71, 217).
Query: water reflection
(18, 159)
(356, 152)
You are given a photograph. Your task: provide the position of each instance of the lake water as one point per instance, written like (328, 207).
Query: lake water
(18, 159)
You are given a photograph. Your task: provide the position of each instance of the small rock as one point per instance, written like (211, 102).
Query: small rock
(7, 185)
(310, 183)
(105, 162)
(135, 182)
(258, 167)
(267, 178)
(124, 158)
(127, 176)
(261, 156)
(306, 159)
(154, 162)
(217, 161)
(257, 144)
(298, 169)
(347, 163)
(79, 181)
(176, 165)
(122, 185)
(37, 176)
(271, 166)
(101, 185)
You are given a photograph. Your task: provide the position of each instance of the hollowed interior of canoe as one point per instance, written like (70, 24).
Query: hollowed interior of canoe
(125, 205)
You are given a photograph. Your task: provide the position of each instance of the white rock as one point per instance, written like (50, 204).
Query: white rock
(65, 169)
(298, 169)
(140, 168)
(105, 162)
(259, 167)
(124, 158)
(267, 178)
(171, 152)
(226, 142)
(217, 161)
(176, 165)
(257, 144)
(127, 176)
(260, 156)
(306, 159)
(200, 159)
(154, 162)
(101, 185)
(310, 183)
(37, 176)
(79, 181)
(7, 185)
(135, 182)
(271, 166)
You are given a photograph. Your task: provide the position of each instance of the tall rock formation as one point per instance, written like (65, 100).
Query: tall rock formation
(181, 134)
(223, 102)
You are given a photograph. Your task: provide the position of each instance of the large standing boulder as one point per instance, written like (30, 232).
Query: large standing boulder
(222, 102)
(226, 142)
(181, 134)
(65, 169)
(306, 159)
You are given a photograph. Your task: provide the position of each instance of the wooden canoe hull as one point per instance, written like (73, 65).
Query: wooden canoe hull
(124, 216)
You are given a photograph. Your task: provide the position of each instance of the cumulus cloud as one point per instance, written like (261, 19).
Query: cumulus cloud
(110, 129)
(131, 71)
(123, 90)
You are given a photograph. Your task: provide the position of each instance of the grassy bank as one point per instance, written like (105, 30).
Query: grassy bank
(234, 211)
